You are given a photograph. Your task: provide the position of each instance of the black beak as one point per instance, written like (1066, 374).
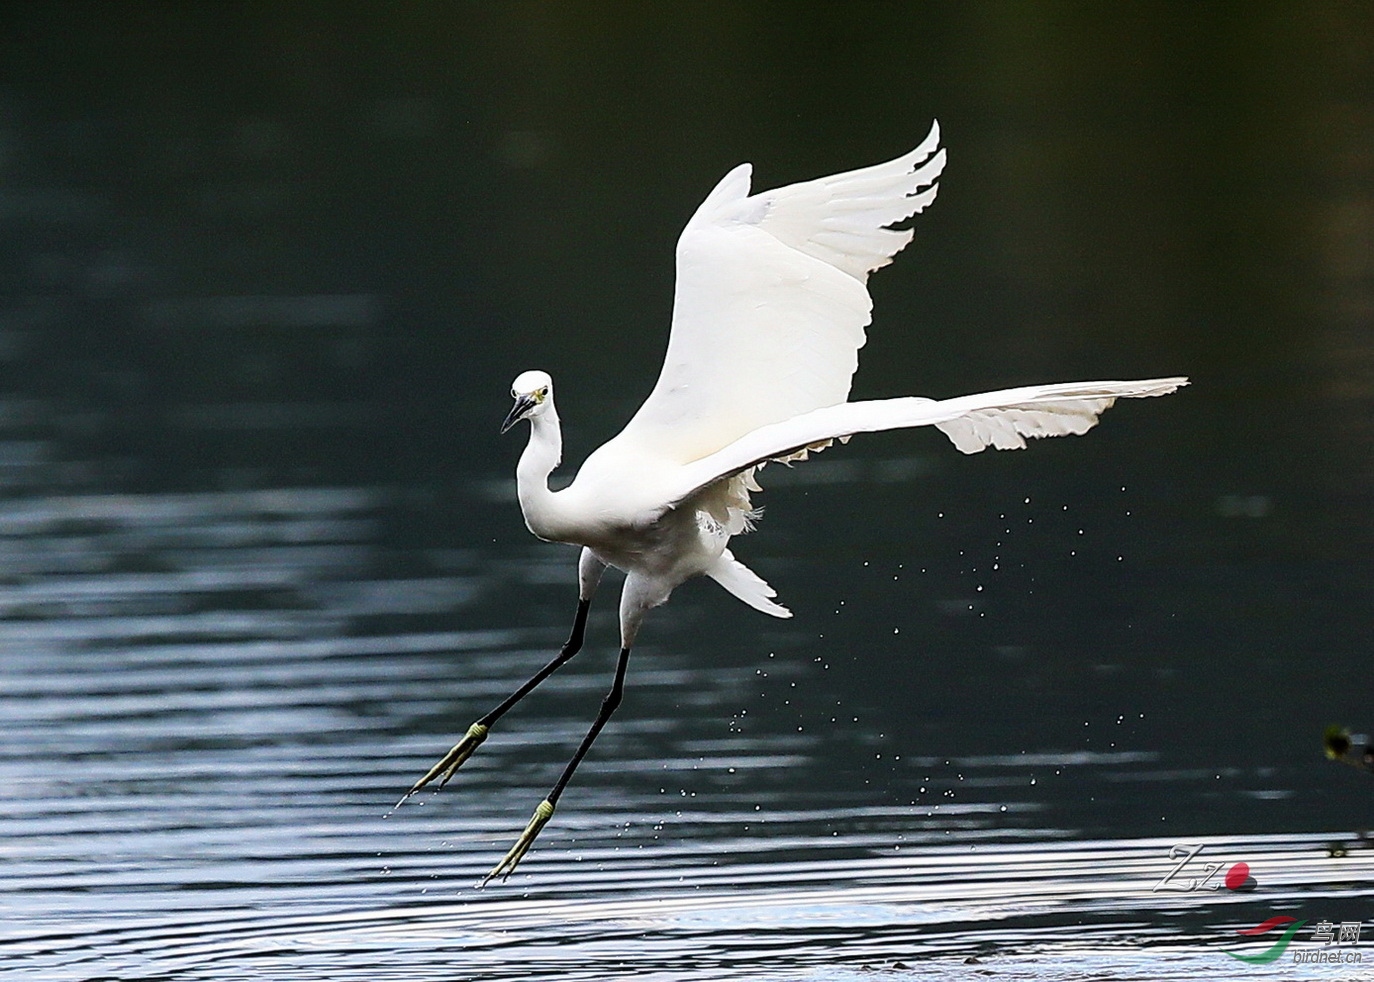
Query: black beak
(523, 404)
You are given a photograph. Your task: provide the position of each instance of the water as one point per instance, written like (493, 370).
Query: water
(830, 918)
(266, 277)
(200, 762)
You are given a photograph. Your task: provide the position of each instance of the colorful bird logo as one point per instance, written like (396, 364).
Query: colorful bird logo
(1278, 947)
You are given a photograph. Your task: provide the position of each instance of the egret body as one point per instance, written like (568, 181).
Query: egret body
(769, 313)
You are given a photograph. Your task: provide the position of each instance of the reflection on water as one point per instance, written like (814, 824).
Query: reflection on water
(211, 700)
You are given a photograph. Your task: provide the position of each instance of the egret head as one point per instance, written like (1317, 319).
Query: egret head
(533, 392)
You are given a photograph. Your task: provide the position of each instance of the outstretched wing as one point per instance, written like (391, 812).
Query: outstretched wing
(771, 303)
(1001, 419)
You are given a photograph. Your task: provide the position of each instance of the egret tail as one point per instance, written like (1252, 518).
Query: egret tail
(744, 584)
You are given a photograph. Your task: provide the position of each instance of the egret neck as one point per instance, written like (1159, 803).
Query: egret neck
(543, 512)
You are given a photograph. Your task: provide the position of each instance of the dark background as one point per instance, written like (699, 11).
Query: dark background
(248, 246)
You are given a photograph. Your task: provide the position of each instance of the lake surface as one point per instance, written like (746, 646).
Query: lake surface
(266, 277)
(212, 700)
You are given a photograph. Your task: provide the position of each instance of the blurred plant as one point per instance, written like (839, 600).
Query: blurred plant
(1355, 750)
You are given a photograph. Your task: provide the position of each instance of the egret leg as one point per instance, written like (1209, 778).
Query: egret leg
(477, 732)
(544, 811)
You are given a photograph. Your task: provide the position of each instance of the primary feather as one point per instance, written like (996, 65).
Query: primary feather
(1001, 419)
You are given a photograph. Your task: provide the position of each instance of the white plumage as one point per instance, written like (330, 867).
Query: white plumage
(771, 304)
(769, 313)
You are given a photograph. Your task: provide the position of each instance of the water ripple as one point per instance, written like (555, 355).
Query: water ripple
(202, 751)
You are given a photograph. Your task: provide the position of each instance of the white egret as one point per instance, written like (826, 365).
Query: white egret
(768, 317)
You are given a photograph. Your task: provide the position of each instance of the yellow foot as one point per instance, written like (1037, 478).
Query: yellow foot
(506, 866)
(453, 760)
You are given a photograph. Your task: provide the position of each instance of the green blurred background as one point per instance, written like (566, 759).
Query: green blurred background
(1133, 189)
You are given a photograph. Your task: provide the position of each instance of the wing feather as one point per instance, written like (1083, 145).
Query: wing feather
(771, 301)
(1001, 419)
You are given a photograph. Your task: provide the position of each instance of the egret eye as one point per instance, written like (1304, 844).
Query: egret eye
(542, 393)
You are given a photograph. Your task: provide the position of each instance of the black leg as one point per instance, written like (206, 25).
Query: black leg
(608, 706)
(570, 648)
(544, 812)
(477, 732)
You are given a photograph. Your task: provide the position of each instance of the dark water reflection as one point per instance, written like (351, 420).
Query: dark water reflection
(265, 276)
(199, 763)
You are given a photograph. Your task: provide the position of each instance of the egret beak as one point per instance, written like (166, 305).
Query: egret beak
(523, 404)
